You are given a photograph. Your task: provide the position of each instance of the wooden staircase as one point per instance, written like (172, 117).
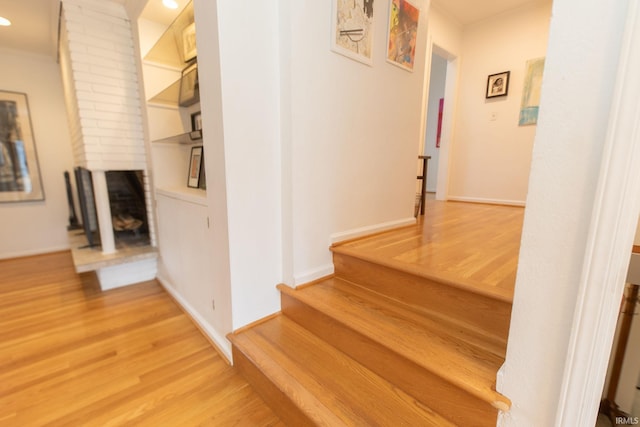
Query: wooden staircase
(379, 343)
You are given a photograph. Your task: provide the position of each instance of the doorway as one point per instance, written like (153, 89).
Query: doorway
(438, 120)
(435, 110)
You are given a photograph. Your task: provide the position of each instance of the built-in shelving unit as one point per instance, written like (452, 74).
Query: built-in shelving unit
(171, 84)
(169, 49)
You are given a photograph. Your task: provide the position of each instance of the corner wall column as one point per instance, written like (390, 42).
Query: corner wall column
(104, 211)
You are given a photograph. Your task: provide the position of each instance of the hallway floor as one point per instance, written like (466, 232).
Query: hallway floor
(469, 244)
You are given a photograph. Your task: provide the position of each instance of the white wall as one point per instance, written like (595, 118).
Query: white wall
(437, 80)
(355, 133)
(250, 98)
(39, 227)
(344, 163)
(491, 158)
(584, 44)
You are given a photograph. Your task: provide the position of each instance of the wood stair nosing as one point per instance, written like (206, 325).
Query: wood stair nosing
(268, 381)
(479, 402)
(443, 326)
(456, 281)
(354, 394)
(478, 310)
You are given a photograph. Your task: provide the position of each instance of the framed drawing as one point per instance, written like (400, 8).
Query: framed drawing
(498, 84)
(403, 33)
(189, 86)
(189, 42)
(20, 178)
(195, 165)
(352, 29)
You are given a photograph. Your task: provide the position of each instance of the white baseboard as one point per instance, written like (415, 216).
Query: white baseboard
(220, 341)
(311, 275)
(486, 201)
(32, 252)
(371, 229)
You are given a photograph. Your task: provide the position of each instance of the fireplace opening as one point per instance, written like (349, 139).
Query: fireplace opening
(127, 204)
(128, 207)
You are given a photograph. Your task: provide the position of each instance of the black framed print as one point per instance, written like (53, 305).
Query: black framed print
(195, 166)
(498, 84)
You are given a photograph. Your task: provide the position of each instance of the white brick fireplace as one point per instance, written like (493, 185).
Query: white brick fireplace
(97, 60)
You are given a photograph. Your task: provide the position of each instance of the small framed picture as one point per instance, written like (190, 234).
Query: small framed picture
(196, 121)
(195, 166)
(189, 86)
(498, 84)
(189, 42)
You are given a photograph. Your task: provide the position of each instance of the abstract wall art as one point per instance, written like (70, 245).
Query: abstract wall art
(403, 33)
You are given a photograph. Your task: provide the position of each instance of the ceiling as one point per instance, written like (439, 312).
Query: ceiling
(469, 11)
(35, 22)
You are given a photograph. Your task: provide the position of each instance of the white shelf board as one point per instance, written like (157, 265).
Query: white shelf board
(187, 194)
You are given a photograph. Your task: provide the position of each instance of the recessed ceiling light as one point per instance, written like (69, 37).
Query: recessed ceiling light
(4, 22)
(171, 4)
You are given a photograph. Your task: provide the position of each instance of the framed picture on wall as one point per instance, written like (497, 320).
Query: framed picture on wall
(195, 166)
(20, 179)
(352, 29)
(403, 33)
(498, 84)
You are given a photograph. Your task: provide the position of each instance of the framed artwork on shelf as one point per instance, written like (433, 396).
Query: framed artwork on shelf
(196, 121)
(403, 33)
(189, 86)
(498, 84)
(195, 166)
(189, 42)
(352, 29)
(20, 179)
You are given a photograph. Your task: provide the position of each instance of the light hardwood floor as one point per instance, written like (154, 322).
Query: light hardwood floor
(71, 355)
(477, 244)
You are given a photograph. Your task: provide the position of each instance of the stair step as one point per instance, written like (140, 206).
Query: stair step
(309, 382)
(415, 352)
(480, 307)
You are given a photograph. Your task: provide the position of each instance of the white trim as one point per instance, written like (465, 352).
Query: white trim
(610, 239)
(221, 342)
(448, 121)
(487, 201)
(311, 275)
(370, 229)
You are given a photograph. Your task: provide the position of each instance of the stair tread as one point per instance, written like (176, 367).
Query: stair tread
(330, 387)
(467, 284)
(419, 339)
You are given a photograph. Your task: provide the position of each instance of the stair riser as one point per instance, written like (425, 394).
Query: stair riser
(429, 388)
(489, 314)
(279, 402)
